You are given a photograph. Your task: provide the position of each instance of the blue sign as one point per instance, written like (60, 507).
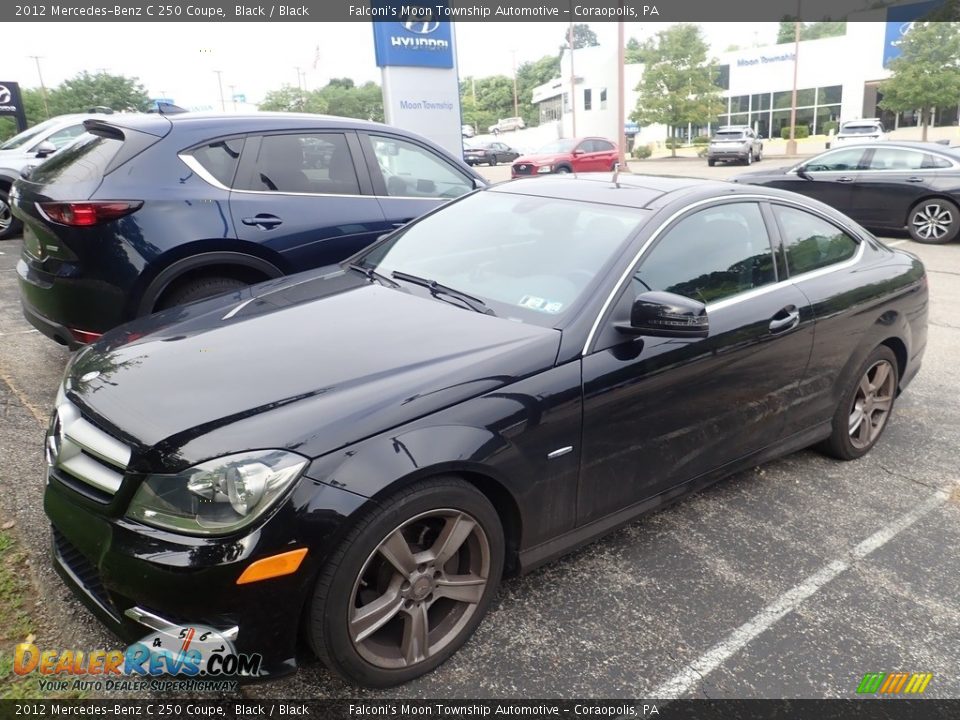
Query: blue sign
(630, 128)
(411, 35)
(899, 21)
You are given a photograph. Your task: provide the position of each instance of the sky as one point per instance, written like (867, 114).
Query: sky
(179, 60)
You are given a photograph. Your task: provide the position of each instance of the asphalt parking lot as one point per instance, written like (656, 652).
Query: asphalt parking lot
(790, 580)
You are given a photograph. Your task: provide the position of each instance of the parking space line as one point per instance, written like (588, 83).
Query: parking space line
(39, 416)
(684, 681)
(894, 243)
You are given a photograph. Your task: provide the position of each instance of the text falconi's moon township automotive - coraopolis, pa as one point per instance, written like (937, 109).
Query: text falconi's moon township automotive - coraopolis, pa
(476, 11)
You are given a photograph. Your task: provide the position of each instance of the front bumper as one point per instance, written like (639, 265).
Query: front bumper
(133, 577)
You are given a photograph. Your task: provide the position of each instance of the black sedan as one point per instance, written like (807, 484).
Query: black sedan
(885, 186)
(489, 153)
(357, 454)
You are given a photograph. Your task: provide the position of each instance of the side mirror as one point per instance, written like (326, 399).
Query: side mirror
(45, 148)
(802, 172)
(663, 314)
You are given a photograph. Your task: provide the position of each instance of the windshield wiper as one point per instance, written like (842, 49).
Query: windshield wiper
(436, 288)
(373, 275)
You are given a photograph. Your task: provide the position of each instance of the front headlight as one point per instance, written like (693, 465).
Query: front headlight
(218, 496)
(545, 169)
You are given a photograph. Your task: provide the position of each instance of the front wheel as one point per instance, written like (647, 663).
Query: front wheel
(749, 159)
(711, 162)
(493, 161)
(934, 221)
(9, 225)
(865, 406)
(760, 154)
(409, 584)
(563, 170)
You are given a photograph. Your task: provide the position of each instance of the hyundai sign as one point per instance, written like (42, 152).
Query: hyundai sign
(899, 21)
(415, 38)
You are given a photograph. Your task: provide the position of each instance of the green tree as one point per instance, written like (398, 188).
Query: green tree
(808, 31)
(529, 76)
(679, 84)
(635, 51)
(285, 99)
(927, 72)
(341, 96)
(87, 90)
(583, 37)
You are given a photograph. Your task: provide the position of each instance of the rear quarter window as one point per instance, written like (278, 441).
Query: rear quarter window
(220, 159)
(85, 160)
(811, 242)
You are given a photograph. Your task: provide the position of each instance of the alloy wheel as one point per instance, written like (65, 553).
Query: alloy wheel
(932, 221)
(419, 588)
(6, 217)
(871, 404)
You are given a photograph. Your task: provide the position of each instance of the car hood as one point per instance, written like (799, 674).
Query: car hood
(309, 366)
(542, 159)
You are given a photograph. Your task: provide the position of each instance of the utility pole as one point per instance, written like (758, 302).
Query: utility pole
(43, 88)
(299, 87)
(792, 143)
(573, 84)
(516, 103)
(223, 103)
(621, 100)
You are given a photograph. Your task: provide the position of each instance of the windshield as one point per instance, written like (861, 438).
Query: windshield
(558, 146)
(27, 135)
(859, 129)
(530, 259)
(729, 135)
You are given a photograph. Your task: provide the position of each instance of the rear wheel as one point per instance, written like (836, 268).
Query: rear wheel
(865, 406)
(563, 170)
(934, 221)
(748, 160)
(493, 161)
(760, 154)
(9, 225)
(409, 584)
(711, 162)
(199, 289)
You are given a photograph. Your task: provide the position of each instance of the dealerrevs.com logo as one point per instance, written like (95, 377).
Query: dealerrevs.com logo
(199, 657)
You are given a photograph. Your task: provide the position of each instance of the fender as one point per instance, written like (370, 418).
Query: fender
(162, 281)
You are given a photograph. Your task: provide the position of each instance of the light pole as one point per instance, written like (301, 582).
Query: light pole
(573, 85)
(792, 142)
(43, 88)
(223, 103)
(299, 87)
(621, 100)
(516, 103)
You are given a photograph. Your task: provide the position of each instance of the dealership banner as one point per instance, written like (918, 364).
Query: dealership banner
(564, 11)
(11, 104)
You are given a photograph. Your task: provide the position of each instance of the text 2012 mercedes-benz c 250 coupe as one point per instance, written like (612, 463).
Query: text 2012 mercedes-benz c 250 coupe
(358, 454)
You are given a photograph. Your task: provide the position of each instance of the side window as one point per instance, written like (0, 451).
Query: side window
(846, 159)
(316, 163)
(65, 136)
(935, 161)
(586, 146)
(896, 159)
(603, 146)
(710, 255)
(412, 171)
(811, 242)
(220, 159)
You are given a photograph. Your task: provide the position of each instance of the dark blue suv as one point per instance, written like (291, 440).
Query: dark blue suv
(146, 212)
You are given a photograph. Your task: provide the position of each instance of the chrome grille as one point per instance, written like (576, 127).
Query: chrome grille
(85, 452)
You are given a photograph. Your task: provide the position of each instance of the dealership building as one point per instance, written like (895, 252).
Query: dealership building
(838, 79)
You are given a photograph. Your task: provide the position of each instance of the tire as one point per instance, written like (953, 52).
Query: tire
(563, 170)
(9, 225)
(759, 154)
(864, 388)
(199, 289)
(376, 649)
(748, 160)
(711, 162)
(934, 221)
(493, 161)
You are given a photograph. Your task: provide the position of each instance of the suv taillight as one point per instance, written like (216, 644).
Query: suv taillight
(87, 213)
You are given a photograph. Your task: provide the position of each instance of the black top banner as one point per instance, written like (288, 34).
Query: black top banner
(561, 11)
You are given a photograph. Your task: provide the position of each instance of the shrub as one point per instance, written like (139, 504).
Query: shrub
(829, 126)
(802, 131)
(701, 140)
(642, 152)
(702, 152)
(673, 142)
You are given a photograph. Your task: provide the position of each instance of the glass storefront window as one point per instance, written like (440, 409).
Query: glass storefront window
(760, 102)
(830, 95)
(740, 104)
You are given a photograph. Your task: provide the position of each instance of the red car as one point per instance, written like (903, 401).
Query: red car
(590, 154)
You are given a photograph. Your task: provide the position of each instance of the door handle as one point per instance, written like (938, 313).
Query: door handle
(787, 319)
(915, 179)
(845, 179)
(262, 221)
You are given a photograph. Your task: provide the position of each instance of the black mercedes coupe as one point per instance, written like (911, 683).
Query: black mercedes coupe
(356, 455)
